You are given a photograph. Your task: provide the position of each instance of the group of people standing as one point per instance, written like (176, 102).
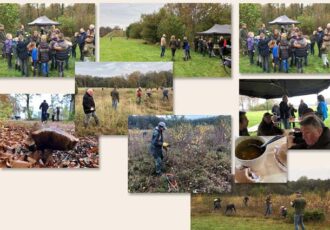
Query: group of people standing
(175, 44)
(211, 46)
(44, 112)
(288, 46)
(43, 47)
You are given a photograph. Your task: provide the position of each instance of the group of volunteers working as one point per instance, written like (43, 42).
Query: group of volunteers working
(36, 49)
(205, 46)
(44, 107)
(299, 205)
(287, 47)
(312, 134)
(89, 103)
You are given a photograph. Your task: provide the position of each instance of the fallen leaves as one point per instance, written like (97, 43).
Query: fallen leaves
(45, 148)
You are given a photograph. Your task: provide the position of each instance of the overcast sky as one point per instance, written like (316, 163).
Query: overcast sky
(310, 100)
(310, 164)
(123, 14)
(111, 69)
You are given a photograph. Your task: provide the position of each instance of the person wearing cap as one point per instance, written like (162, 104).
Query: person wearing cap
(299, 205)
(163, 45)
(267, 127)
(89, 107)
(156, 147)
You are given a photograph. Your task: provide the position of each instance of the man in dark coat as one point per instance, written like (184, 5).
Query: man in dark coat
(89, 107)
(115, 98)
(264, 51)
(314, 134)
(156, 147)
(44, 107)
(285, 112)
(267, 127)
(302, 107)
(81, 43)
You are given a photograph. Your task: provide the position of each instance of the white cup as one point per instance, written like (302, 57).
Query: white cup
(253, 163)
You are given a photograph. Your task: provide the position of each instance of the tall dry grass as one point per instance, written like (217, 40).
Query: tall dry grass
(115, 122)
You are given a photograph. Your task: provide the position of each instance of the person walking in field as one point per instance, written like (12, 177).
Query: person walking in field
(23, 55)
(44, 107)
(61, 47)
(89, 107)
(139, 96)
(246, 201)
(57, 113)
(149, 92)
(163, 45)
(165, 94)
(115, 98)
(173, 45)
(268, 205)
(186, 49)
(156, 147)
(299, 205)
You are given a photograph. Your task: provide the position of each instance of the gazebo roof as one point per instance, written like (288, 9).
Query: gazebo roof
(283, 20)
(43, 21)
(217, 29)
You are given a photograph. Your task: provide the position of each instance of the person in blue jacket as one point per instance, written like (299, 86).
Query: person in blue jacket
(322, 108)
(156, 147)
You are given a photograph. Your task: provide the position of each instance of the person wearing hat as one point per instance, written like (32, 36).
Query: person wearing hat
(89, 107)
(299, 205)
(267, 127)
(163, 45)
(156, 147)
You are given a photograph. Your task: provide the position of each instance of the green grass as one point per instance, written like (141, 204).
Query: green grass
(315, 65)
(220, 222)
(256, 116)
(5, 72)
(121, 49)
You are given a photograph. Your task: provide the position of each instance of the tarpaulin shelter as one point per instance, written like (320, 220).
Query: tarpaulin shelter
(283, 20)
(43, 21)
(217, 30)
(274, 88)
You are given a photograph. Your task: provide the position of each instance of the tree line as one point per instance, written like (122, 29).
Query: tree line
(72, 17)
(310, 16)
(303, 185)
(179, 19)
(12, 105)
(149, 122)
(136, 79)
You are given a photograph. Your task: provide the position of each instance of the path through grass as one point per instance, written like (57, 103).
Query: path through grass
(122, 49)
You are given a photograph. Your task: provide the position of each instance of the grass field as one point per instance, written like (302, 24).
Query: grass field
(315, 65)
(203, 217)
(220, 222)
(121, 49)
(115, 122)
(255, 117)
(5, 72)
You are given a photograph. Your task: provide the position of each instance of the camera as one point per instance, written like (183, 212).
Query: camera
(298, 139)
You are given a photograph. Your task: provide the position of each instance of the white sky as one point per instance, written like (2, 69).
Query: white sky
(111, 69)
(310, 100)
(36, 101)
(123, 14)
(308, 163)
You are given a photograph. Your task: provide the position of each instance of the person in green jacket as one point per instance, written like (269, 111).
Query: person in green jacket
(299, 205)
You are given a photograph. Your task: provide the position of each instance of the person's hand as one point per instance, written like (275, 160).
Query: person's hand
(291, 141)
(246, 175)
(92, 109)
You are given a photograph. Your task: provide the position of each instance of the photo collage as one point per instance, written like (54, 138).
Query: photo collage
(259, 171)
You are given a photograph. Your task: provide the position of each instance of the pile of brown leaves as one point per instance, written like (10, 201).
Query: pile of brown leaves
(17, 150)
